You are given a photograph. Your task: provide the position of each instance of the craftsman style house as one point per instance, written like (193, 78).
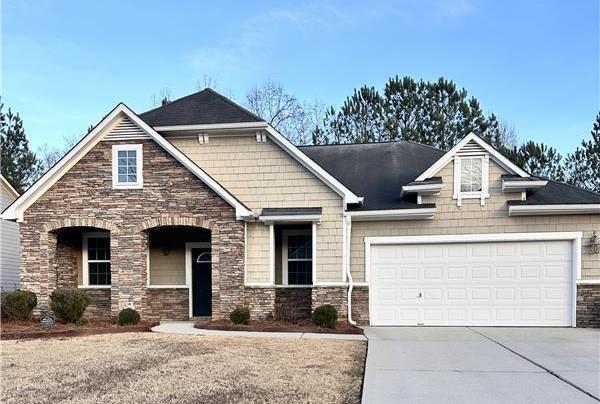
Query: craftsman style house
(199, 206)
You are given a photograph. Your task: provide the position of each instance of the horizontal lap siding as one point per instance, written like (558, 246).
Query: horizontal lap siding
(9, 255)
(262, 175)
(472, 218)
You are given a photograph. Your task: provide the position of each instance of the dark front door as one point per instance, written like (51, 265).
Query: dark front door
(201, 282)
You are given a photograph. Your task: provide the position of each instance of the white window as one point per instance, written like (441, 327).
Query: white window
(127, 166)
(96, 259)
(471, 178)
(297, 254)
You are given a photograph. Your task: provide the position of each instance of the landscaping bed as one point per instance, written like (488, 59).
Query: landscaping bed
(278, 326)
(33, 329)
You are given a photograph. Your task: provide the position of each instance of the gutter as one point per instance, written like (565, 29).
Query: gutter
(348, 220)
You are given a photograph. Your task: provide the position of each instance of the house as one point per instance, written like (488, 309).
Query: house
(199, 206)
(9, 240)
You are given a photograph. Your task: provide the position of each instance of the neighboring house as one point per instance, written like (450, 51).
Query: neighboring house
(9, 240)
(199, 206)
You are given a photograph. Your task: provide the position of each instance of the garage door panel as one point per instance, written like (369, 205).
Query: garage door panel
(512, 283)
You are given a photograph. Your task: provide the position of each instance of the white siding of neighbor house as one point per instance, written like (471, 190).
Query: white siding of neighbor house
(472, 218)
(262, 175)
(9, 244)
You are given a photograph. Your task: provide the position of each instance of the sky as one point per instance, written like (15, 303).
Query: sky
(535, 64)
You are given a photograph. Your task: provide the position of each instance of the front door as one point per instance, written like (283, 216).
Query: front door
(201, 282)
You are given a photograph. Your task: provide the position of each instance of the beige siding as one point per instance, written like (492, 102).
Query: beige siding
(471, 217)
(9, 244)
(262, 175)
(167, 269)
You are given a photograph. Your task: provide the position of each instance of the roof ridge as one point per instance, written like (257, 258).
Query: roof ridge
(233, 103)
(572, 186)
(170, 103)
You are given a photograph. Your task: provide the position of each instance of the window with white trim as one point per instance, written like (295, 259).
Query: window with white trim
(471, 178)
(297, 254)
(127, 163)
(96, 259)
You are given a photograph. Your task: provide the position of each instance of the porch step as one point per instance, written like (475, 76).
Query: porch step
(201, 318)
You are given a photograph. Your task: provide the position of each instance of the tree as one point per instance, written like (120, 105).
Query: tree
(163, 98)
(434, 113)
(49, 155)
(280, 109)
(583, 165)
(20, 165)
(538, 159)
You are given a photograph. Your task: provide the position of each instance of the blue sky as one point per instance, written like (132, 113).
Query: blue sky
(534, 63)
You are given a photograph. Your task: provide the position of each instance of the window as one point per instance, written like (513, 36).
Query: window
(127, 166)
(297, 255)
(471, 175)
(471, 178)
(96, 259)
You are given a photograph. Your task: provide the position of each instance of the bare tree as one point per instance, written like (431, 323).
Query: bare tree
(163, 97)
(280, 109)
(508, 134)
(49, 155)
(206, 82)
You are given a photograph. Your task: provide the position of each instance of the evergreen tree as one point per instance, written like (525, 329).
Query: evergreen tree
(538, 160)
(583, 165)
(20, 165)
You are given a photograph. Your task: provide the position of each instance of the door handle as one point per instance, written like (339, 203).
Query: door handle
(420, 295)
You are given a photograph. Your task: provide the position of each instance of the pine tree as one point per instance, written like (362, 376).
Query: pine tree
(538, 159)
(583, 165)
(20, 165)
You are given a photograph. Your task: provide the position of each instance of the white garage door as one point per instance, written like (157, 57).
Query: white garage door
(488, 284)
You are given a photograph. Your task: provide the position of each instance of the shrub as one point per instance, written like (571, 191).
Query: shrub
(69, 304)
(18, 305)
(240, 315)
(128, 317)
(325, 316)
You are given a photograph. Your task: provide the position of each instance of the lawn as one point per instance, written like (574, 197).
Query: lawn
(157, 368)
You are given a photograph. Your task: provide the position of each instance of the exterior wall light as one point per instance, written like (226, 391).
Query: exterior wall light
(595, 243)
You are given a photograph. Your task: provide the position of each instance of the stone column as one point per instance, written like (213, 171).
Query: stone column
(128, 269)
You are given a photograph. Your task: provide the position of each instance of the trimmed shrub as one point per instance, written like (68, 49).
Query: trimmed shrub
(128, 317)
(69, 304)
(18, 305)
(325, 316)
(240, 315)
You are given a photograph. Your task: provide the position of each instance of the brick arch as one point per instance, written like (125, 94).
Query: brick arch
(79, 222)
(179, 221)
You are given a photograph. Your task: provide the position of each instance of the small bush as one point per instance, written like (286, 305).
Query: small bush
(69, 304)
(325, 316)
(241, 315)
(128, 317)
(18, 305)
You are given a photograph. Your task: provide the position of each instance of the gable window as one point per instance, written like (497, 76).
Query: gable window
(471, 178)
(96, 259)
(297, 254)
(127, 165)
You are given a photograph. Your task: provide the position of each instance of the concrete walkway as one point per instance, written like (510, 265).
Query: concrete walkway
(482, 365)
(187, 328)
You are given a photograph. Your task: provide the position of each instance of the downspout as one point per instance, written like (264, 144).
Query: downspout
(348, 220)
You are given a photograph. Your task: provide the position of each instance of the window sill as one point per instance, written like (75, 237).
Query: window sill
(94, 286)
(167, 286)
(294, 286)
(128, 186)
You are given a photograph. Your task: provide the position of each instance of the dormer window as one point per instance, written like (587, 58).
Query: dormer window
(127, 166)
(471, 178)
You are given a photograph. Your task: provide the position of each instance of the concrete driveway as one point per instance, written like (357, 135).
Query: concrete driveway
(482, 365)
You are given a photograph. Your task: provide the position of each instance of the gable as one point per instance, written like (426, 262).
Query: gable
(118, 125)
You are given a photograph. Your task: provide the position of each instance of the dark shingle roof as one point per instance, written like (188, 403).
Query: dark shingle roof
(555, 193)
(204, 107)
(376, 171)
(290, 211)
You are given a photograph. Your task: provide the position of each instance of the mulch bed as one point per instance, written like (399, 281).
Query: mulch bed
(33, 329)
(278, 326)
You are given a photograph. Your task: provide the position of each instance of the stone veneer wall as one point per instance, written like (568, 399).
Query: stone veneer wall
(260, 301)
(293, 303)
(167, 304)
(360, 305)
(99, 307)
(588, 306)
(337, 296)
(171, 195)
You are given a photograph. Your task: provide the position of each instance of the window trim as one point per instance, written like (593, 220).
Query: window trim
(285, 233)
(85, 269)
(139, 155)
(459, 195)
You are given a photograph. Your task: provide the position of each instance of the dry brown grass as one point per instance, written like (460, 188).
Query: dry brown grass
(156, 368)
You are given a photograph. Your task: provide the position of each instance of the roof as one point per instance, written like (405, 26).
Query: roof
(201, 108)
(376, 171)
(558, 193)
(9, 187)
(290, 211)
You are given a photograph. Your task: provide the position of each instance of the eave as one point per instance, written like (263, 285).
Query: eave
(392, 214)
(564, 209)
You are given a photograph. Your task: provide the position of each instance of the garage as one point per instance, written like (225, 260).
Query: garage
(479, 280)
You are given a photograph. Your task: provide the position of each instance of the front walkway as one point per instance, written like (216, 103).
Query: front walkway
(187, 328)
(482, 365)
